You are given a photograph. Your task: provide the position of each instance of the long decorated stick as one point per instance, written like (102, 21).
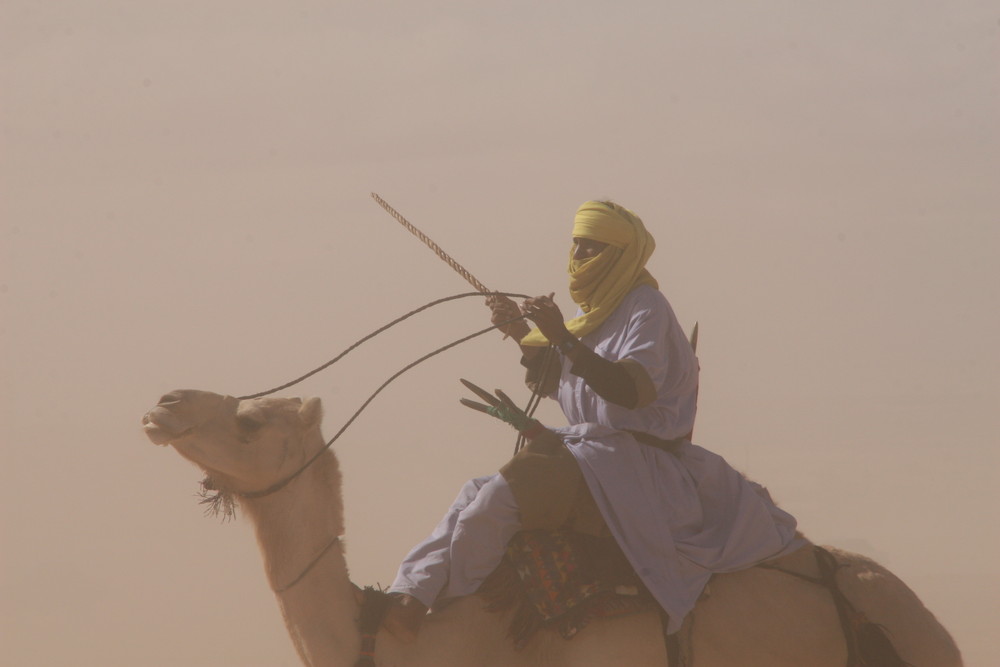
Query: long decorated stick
(462, 271)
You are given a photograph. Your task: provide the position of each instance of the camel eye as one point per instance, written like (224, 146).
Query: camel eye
(248, 423)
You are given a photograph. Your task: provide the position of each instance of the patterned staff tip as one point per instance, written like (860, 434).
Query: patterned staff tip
(461, 270)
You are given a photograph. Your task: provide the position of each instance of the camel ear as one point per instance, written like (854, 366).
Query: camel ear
(311, 412)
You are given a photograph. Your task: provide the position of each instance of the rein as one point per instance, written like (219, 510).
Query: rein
(309, 567)
(221, 500)
(391, 324)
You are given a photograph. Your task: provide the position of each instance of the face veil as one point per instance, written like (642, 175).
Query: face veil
(600, 283)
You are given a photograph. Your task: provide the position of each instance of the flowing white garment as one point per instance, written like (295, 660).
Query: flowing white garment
(642, 329)
(678, 517)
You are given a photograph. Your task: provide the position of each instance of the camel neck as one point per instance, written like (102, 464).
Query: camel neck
(297, 524)
(298, 530)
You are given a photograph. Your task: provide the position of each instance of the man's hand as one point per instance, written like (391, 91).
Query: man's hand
(544, 312)
(504, 310)
(504, 409)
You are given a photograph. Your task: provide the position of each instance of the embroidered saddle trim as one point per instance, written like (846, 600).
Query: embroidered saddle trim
(561, 580)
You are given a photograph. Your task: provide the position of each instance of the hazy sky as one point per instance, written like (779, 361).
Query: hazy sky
(184, 200)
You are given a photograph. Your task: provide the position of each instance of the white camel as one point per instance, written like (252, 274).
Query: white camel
(757, 617)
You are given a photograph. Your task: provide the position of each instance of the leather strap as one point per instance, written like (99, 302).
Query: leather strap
(670, 446)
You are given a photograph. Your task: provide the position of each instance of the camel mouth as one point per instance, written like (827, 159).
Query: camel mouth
(163, 427)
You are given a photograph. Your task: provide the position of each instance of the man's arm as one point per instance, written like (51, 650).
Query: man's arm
(615, 382)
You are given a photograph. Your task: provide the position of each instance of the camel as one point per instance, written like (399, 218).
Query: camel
(756, 617)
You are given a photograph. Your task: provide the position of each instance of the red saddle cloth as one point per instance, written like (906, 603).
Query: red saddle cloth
(560, 580)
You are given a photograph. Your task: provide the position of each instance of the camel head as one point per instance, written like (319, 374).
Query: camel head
(243, 445)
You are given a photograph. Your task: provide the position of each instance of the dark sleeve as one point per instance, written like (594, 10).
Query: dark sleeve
(609, 380)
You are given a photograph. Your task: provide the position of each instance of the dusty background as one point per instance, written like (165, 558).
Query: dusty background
(185, 203)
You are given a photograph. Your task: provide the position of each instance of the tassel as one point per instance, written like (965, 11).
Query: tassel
(372, 610)
(367, 658)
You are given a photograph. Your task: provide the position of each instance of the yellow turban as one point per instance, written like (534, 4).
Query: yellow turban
(600, 283)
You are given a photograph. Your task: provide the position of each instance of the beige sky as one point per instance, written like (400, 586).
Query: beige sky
(185, 203)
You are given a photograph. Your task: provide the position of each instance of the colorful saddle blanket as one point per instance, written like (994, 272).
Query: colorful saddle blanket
(561, 580)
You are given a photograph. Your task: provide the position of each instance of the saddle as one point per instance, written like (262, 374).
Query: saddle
(561, 580)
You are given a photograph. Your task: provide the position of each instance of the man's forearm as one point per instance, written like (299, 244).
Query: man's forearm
(609, 380)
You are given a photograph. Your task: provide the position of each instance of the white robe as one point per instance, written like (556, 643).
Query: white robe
(678, 517)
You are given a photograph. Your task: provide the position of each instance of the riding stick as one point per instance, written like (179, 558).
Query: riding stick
(462, 271)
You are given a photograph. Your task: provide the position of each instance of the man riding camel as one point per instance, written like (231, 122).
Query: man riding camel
(626, 379)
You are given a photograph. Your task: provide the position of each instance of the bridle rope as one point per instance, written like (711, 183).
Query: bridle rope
(308, 568)
(220, 500)
(381, 329)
